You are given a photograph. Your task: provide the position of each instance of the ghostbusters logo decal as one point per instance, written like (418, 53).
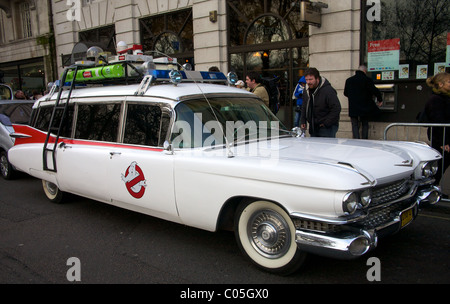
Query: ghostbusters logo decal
(134, 180)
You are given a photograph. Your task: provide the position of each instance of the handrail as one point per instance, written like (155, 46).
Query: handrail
(405, 124)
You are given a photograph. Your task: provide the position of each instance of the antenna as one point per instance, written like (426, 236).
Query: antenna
(227, 143)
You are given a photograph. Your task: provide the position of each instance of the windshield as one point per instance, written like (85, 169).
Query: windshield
(17, 112)
(200, 124)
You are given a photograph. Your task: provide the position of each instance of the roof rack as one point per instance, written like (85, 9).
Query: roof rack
(126, 68)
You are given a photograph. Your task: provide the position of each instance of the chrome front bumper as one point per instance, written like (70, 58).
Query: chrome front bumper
(352, 241)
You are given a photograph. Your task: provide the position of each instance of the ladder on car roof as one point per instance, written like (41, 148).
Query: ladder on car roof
(56, 122)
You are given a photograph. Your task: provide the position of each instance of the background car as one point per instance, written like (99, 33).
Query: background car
(11, 112)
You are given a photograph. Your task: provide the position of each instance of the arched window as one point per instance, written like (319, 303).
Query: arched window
(268, 37)
(102, 37)
(170, 34)
(168, 43)
(267, 28)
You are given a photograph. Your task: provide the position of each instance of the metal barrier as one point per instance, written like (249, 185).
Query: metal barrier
(421, 136)
(406, 132)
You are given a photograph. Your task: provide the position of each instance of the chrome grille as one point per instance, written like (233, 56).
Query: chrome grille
(390, 192)
(314, 225)
(380, 216)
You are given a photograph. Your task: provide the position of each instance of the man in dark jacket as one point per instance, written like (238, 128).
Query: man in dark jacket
(360, 90)
(321, 106)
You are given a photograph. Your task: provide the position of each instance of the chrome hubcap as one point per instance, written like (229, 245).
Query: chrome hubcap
(4, 165)
(269, 233)
(52, 189)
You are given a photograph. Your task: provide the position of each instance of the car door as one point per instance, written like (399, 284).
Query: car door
(83, 160)
(140, 171)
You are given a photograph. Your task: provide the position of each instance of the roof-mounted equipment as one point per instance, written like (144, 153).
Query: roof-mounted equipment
(132, 66)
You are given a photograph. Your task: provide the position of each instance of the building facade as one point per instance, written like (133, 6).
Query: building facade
(275, 37)
(27, 44)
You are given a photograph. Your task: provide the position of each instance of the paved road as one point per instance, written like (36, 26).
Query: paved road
(114, 245)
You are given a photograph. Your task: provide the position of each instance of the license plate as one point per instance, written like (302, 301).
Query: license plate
(406, 217)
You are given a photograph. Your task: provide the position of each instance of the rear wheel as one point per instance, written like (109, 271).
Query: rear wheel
(52, 192)
(266, 234)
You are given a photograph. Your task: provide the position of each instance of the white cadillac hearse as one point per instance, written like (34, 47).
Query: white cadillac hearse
(180, 147)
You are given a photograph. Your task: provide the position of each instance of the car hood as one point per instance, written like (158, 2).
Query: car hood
(325, 159)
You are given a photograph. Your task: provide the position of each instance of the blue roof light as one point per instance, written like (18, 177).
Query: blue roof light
(189, 75)
(213, 76)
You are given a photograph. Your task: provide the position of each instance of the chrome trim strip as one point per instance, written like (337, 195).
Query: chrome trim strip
(335, 246)
(19, 135)
(327, 220)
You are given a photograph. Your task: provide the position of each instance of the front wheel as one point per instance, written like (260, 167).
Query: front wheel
(266, 234)
(6, 170)
(52, 192)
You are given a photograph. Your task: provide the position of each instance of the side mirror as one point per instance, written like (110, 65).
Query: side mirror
(297, 132)
(168, 148)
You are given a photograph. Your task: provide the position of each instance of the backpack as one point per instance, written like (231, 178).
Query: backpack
(271, 85)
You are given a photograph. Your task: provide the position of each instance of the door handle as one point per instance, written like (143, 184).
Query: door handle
(111, 154)
(63, 145)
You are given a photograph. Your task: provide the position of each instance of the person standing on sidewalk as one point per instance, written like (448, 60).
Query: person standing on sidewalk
(253, 81)
(298, 97)
(437, 110)
(321, 106)
(360, 90)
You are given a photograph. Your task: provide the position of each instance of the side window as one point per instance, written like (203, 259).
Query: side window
(145, 125)
(43, 120)
(98, 122)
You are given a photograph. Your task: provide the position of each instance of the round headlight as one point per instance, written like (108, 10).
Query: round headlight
(426, 170)
(429, 169)
(434, 167)
(366, 198)
(350, 203)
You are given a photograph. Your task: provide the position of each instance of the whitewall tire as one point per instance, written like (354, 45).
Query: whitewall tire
(52, 192)
(266, 234)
